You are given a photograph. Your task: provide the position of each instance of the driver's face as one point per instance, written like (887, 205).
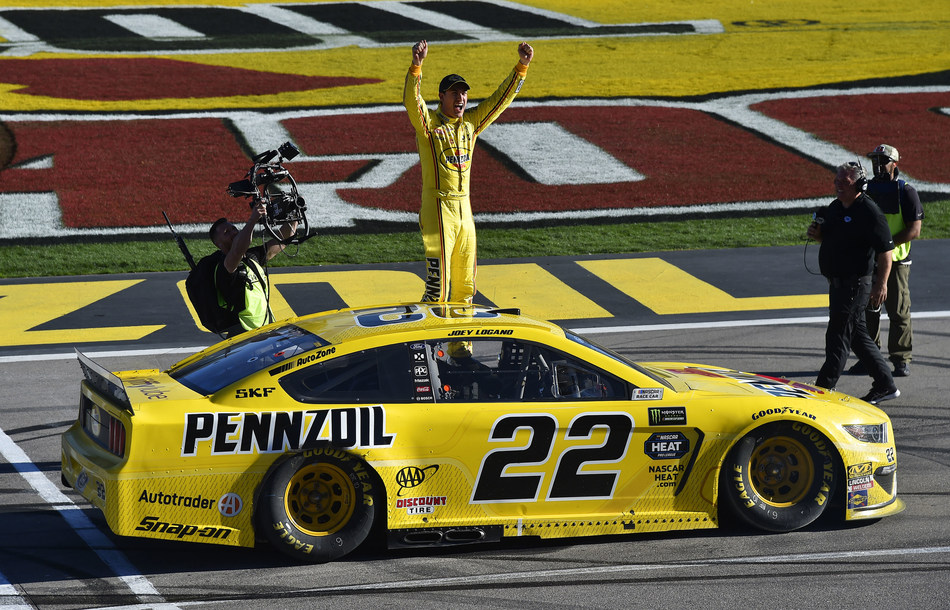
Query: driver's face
(453, 101)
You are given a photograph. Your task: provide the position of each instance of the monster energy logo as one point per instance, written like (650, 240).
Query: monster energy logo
(667, 416)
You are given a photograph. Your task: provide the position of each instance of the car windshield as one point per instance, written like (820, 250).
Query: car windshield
(238, 360)
(615, 356)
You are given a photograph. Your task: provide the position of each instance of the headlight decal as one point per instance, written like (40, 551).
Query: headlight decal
(868, 433)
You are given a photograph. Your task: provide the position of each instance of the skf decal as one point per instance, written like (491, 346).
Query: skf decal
(648, 394)
(181, 530)
(666, 446)
(667, 416)
(412, 476)
(420, 506)
(281, 431)
(253, 392)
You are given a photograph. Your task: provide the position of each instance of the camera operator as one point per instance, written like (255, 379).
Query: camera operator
(241, 277)
(854, 235)
(901, 206)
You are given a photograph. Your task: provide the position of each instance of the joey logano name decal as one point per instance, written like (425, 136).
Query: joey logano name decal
(279, 431)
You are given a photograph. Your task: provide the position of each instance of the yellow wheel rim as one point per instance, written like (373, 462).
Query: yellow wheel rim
(320, 499)
(782, 471)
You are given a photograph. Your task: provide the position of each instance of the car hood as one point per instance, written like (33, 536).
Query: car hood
(723, 381)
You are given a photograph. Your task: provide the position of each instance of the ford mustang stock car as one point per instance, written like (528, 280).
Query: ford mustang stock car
(449, 424)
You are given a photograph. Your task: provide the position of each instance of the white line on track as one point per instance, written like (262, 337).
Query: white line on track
(593, 330)
(560, 574)
(80, 523)
(10, 598)
(103, 354)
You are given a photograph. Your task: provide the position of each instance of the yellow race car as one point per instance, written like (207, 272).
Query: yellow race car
(450, 424)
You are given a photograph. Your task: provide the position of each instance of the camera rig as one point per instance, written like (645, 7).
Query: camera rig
(270, 183)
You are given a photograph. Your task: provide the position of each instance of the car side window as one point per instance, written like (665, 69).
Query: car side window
(507, 370)
(372, 376)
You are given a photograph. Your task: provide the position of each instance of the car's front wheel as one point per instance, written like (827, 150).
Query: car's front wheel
(318, 505)
(779, 477)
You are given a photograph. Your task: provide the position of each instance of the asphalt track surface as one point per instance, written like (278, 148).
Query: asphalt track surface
(56, 552)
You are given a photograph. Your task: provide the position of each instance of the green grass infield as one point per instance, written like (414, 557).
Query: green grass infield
(39, 259)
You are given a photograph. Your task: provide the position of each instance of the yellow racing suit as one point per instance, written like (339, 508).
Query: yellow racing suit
(446, 146)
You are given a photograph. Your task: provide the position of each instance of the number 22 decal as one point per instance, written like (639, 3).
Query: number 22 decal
(494, 484)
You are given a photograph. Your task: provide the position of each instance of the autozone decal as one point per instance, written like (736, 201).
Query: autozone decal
(280, 431)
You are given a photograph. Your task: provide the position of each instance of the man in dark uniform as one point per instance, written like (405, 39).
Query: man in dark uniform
(854, 237)
(901, 206)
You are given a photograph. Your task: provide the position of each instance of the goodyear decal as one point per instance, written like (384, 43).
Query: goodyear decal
(783, 411)
(281, 431)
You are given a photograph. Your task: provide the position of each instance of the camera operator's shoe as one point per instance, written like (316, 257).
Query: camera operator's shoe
(901, 369)
(858, 369)
(877, 395)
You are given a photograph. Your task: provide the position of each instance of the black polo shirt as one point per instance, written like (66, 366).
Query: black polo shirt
(852, 237)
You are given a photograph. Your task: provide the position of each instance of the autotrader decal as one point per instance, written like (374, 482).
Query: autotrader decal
(174, 499)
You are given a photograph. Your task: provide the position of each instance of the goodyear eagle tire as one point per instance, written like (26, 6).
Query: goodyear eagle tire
(318, 505)
(779, 477)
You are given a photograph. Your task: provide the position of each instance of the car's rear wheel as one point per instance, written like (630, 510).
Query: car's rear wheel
(318, 505)
(779, 477)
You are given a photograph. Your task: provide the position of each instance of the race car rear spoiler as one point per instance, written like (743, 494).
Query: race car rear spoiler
(104, 381)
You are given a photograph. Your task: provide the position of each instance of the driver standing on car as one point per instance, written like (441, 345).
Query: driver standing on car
(446, 142)
(241, 277)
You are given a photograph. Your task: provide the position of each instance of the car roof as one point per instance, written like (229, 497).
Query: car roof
(343, 325)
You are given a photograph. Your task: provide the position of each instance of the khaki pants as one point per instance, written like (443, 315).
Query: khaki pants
(900, 331)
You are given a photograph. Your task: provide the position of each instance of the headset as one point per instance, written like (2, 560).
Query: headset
(861, 182)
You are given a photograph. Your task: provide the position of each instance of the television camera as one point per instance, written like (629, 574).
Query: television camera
(270, 183)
